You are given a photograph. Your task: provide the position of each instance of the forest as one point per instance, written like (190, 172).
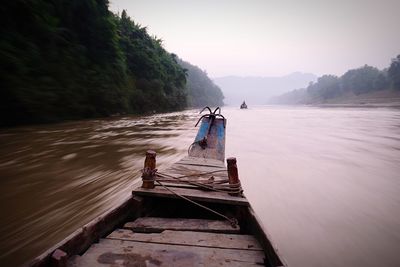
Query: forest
(358, 81)
(73, 59)
(201, 88)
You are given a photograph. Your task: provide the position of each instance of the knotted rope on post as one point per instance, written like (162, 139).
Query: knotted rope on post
(232, 185)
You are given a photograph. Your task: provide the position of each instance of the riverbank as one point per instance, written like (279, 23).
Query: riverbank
(383, 98)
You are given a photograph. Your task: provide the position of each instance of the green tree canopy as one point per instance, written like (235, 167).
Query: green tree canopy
(363, 80)
(356, 81)
(201, 89)
(68, 59)
(394, 73)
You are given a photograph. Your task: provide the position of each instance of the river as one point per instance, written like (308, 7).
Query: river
(325, 182)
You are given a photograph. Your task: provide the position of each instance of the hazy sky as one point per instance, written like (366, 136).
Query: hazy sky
(273, 38)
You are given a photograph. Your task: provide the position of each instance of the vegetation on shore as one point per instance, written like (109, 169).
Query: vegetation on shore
(201, 89)
(356, 82)
(71, 59)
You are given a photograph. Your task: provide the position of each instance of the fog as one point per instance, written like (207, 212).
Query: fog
(89, 86)
(273, 38)
(258, 90)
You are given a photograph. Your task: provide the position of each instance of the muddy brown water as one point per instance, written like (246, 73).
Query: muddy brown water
(325, 182)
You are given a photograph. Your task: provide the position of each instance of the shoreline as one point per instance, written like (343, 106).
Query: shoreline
(378, 99)
(357, 105)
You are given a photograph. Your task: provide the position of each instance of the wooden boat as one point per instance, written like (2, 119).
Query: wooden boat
(243, 105)
(191, 214)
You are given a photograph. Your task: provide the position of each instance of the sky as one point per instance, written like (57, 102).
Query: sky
(272, 37)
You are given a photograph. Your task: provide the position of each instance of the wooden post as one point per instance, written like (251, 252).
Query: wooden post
(58, 258)
(149, 170)
(233, 175)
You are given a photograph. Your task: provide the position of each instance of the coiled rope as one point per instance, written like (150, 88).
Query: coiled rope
(210, 184)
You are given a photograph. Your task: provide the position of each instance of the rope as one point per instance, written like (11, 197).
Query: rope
(225, 188)
(210, 184)
(191, 146)
(195, 142)
(192, 175)
(232, 221)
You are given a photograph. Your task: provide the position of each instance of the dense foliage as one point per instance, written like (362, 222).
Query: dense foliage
(60, 59)
(394, 73)
(201, 90)
(354, 82)
(357, 81)
(67, 59)
(159, 83)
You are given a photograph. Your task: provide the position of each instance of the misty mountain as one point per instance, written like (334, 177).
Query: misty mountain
(257, 90)
(364, 85)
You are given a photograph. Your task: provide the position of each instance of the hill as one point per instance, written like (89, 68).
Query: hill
(364, 85)
(73, 59)
(202, 91)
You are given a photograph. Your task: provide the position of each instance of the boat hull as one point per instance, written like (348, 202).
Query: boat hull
(184, 215)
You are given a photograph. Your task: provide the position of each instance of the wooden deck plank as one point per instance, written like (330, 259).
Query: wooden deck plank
(180, 172)
(194, 194)
(196, 170)
(130, 253)
(157, 225)
(185, 173)
(197, 166)
(201, 162)
(189, 238)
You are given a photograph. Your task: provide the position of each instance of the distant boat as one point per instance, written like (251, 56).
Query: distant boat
(243, 105)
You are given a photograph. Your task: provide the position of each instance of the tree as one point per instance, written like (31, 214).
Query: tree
(154, 72)
(329, 86)
(69, 59)
(363, 80)
(201, 89)
(394, 73)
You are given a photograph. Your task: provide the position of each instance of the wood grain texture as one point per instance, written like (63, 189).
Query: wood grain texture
(157, 225)
(201, 161)
(130, 253)
(195, 170)
(83, 238)
(215, 141)
(189, 238)
(193, 194)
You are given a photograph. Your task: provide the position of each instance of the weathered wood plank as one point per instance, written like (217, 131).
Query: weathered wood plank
(201, 162)
(194, 194)
(215, 141)
(129, 253)
(197, 166)
(81, 239)
(189, 238)
(174, 184)
(157, 225)
(178, 174)
(194, 175)
(181, 173)
(187, 170)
